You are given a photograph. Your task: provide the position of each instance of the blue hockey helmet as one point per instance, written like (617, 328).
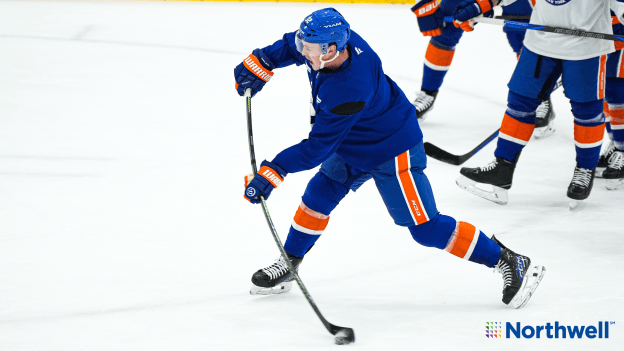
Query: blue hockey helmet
(324, 27)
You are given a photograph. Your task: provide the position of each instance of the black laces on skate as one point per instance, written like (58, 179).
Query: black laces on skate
(276, 269)
(582, 176)
(423, 101)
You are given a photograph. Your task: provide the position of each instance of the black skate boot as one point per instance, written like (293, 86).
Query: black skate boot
(581, 185)
(424, 103)
(498, 174)
(276, 278)
(544, 120)
(603, 161)
(615, 171)
(520, 279)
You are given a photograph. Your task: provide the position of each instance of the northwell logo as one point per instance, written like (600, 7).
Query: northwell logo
(548, 331)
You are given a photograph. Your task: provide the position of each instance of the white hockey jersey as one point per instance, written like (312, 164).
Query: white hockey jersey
(586, 15)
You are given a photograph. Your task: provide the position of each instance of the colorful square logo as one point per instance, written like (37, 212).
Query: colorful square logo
(494, 330)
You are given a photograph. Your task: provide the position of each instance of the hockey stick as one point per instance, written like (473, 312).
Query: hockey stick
(342, 335)
(549, 29)
(447, 157)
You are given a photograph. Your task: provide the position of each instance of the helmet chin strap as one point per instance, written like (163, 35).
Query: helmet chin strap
(330, 60)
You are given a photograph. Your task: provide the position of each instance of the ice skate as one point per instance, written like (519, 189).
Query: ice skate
(496, 176)
(545, 116)
(615, 171)
(274, 279)
(424, 103)
(580, 186)
(605, 157)
(520, 278)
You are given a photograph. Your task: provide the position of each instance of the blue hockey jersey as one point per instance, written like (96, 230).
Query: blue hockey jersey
(360, 113)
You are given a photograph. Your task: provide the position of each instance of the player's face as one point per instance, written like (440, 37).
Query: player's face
(313, 53)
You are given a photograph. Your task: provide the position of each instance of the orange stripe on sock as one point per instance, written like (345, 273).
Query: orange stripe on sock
(462, 238)
(602, 76)
(617, 116)
(409, 189)
(439, 57)
(516, 129)
(588, 135)
(310, 219)
(605, 109)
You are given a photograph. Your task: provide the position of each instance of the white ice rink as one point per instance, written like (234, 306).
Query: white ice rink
(123, 225)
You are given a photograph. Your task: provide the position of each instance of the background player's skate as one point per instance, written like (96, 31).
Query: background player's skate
(580, 186)
(615, 171)
(491, 182)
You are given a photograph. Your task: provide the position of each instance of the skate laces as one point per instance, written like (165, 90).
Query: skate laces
(608, 154)
(276, 269)
(423, 101)
(490, 166)
(582, 176)
(542, 109)
(503, 268)
(616, 160)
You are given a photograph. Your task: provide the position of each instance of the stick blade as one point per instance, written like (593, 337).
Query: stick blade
(343, 336)
(441, 155)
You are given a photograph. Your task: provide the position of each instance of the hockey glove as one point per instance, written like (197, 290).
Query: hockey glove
(430, 20)
(253, 73)
(468, 9)
(269, 176)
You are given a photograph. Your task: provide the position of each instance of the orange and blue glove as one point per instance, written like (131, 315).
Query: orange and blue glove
(269, 177)
(430, 20)
(254, 72)
(468, 9)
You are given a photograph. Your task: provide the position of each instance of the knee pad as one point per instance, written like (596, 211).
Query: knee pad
(588, 113)
(323, 194)
(521, 107)
(435, 233)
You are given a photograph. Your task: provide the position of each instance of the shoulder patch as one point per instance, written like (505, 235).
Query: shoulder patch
(348, 108)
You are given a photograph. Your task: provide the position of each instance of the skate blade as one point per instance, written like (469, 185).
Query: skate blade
(531, 281)
(545, 132)
(574, 204)
(615, 184)
(599, 171)
(497, 195)
(278, 289)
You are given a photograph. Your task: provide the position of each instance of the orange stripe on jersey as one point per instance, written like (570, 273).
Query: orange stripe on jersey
(617, 116)
(463, 240)
(602, 76)
(439, 57)
(409, 189)
(614, 20)
(588, 136)
(309, 221)
(516, 129)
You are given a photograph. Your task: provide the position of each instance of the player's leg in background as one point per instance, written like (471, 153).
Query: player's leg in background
(584, 84)
(532, 82)
(614, 116)
(323, 193)
(408, 196)
(438, 59)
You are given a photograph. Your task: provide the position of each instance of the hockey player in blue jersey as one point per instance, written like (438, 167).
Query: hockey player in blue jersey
(579, 61)
(611, 163)
(445, 36)
(364, 128)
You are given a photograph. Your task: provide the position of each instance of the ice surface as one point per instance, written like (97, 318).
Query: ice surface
(123, 226)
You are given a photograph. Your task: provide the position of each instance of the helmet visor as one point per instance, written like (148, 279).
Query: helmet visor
(299, 41)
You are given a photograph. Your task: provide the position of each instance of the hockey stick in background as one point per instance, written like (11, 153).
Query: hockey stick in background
(447, 157)
(542, 28)
(342, 335)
